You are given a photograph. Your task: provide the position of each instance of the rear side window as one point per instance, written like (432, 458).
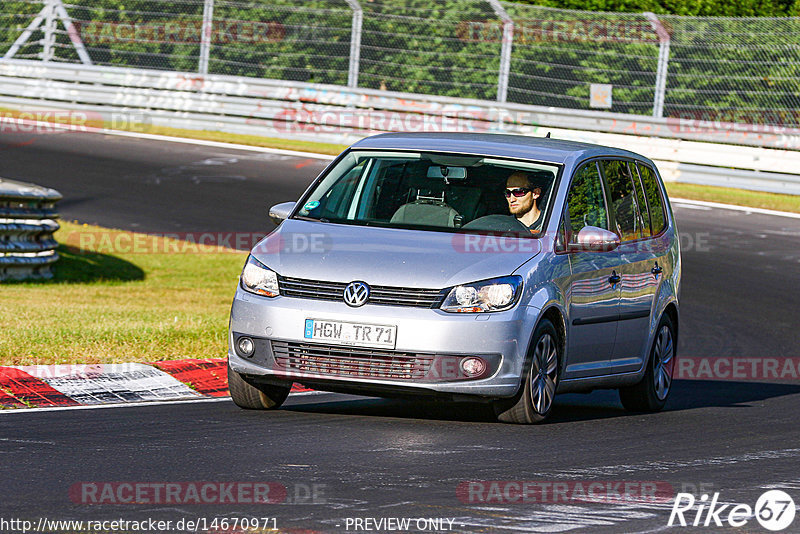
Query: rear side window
(654, 200)
(585, 202)
(640, 200)
(623, 201)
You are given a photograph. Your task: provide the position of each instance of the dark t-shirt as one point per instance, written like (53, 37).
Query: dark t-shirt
(536, 227)
(504, 223)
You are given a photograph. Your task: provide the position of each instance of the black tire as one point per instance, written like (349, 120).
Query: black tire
(651, 393)
(250, 397)
(534, 403)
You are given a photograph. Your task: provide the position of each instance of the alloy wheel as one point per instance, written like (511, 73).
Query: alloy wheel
(663, 362)
(544, 374)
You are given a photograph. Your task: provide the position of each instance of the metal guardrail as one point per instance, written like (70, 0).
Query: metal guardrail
(337, 114)
(282, 103)
(27, 224)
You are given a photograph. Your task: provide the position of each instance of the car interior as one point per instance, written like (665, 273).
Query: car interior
(425, 192)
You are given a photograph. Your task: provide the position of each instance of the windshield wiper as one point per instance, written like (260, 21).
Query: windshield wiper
(307, 218)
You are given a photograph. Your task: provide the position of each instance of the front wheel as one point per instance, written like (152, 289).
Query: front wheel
(261, 397)
(650, 395)
(535, 402)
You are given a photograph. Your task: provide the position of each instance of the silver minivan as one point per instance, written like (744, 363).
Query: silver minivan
(470, 267)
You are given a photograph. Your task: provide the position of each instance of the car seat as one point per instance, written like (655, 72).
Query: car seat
(427, 210)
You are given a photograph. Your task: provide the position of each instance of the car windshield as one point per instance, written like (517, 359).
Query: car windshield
(432, 191)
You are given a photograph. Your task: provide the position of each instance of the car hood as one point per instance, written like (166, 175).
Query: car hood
(389, 256)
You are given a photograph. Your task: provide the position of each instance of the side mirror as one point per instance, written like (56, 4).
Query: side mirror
(594, 239)
(280, 212)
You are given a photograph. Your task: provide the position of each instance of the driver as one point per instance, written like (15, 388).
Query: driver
(523, 197)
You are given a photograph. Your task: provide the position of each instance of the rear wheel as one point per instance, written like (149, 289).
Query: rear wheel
(650, 395)
(251, 397)
(535, 402)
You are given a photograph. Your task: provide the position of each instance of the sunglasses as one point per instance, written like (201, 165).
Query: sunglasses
(517, 192)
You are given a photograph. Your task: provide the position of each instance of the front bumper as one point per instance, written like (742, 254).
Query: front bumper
(499, 338)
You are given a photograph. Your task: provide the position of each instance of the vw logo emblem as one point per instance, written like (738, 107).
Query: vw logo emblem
(356, 294)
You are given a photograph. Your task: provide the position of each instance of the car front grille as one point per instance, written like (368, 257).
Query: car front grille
(380, 295)
(351, 362)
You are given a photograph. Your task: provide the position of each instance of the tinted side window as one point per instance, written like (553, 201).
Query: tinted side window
(587, 206)
(623, 199)
(641, 201)
(653, 194)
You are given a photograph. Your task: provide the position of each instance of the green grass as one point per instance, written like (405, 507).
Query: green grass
(112, 307)
(253, 140)
(740, 197)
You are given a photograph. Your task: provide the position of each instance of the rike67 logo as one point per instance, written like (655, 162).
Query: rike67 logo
(774, 510)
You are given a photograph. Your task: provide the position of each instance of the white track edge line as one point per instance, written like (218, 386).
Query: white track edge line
(172, 139)
(132, 404)
(217, 144)
(720, 205)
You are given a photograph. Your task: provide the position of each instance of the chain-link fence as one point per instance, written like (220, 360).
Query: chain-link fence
(748, 70)
(744, 70)
(558, 54)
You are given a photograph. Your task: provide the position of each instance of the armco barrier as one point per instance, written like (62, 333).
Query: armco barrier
(726, 155)
(27, 224)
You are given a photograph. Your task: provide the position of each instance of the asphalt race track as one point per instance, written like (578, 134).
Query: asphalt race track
(343, 458)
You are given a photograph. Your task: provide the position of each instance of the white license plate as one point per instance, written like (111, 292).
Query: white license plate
(358, 334)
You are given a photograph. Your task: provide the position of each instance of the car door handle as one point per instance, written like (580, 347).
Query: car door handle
(656, 270)
(614, 278)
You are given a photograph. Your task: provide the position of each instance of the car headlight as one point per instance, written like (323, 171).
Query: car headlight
(497, 294)
(257, 278)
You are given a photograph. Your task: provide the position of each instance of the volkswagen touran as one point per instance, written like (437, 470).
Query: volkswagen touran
(467, 267)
